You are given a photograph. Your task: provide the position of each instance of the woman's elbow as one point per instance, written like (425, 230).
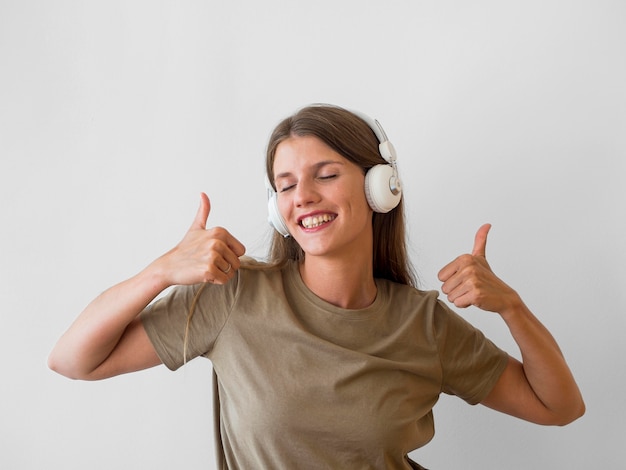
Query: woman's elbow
(578, 412)
(64, 367)
(56, 365)
(569, 415)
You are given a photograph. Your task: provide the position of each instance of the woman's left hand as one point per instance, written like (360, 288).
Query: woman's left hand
(469, 280)
(541, 389)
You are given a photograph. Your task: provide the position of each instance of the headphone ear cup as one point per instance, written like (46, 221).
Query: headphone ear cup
(274, 217)
(378, 184)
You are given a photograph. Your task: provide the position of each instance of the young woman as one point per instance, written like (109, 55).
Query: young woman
(326, 356)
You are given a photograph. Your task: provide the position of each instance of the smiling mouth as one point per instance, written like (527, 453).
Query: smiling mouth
(317, 220)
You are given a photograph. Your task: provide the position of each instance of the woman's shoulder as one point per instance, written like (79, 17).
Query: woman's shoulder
(405, 291)
(413, 301)
(251, 264)
(258, 272)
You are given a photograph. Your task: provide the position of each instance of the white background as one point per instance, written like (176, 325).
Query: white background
(115, 115)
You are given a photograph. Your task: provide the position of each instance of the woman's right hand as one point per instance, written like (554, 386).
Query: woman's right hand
(108, 337)
(203, 255)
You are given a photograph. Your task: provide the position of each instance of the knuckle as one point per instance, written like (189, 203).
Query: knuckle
(213, 243)
(212, 257)
(470, 261)
(465, 258)
(218, 232)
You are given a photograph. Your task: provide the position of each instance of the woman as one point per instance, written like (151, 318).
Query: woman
(327, 356)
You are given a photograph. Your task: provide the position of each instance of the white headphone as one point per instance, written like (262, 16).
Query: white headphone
(383, 189)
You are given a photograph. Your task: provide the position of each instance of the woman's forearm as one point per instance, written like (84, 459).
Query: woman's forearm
(544, 365)
(98, 329)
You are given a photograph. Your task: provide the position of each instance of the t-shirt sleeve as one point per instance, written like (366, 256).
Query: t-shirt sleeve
(471, 363)
(165, 320)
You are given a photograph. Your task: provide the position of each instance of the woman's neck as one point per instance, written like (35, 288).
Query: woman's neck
(347, 284)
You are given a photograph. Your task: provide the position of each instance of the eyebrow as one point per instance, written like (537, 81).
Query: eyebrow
(317, 166)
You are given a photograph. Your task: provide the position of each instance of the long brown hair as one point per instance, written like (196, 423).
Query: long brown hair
(352, 138)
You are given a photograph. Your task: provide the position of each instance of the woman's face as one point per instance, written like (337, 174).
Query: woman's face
(321, 197)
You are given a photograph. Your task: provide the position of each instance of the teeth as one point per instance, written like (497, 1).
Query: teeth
(316, 220)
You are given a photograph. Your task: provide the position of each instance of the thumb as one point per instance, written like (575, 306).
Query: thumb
(199, 222)
(480, 241)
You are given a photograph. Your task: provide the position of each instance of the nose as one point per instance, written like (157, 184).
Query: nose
(305, 193)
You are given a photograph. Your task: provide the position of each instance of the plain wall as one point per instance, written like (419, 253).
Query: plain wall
(115, 115)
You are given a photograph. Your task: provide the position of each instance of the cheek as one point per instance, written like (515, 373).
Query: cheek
(283, 205)
(358, 201)
(358, 191)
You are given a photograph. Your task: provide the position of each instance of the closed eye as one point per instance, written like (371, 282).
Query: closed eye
(323, 178)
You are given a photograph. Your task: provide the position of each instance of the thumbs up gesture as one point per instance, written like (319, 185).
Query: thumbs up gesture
(469, 280)
(203, 255)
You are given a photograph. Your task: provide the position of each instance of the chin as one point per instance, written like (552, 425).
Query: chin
(314, 250)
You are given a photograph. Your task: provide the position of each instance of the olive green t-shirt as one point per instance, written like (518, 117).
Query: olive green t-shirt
(304, 384)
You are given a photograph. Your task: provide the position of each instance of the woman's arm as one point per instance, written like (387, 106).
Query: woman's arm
(108, 337)
(541, 388)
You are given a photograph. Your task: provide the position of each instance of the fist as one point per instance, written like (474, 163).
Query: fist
(469, 280)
